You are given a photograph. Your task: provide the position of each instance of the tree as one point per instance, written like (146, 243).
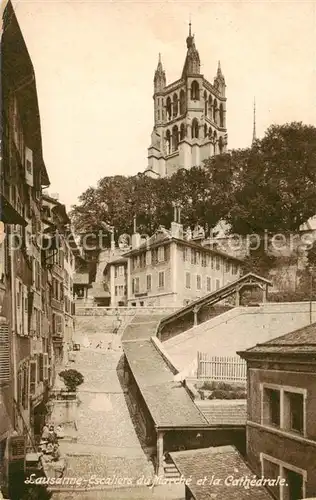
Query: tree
(276, 181)
(72, 379)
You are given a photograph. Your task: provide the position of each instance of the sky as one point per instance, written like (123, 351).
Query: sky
(94, 63)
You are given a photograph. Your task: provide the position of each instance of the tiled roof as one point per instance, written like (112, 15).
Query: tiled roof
(168, 402)
(299, 341)
(219, 462)
(224, 412)
(81, 278)
(142, 327)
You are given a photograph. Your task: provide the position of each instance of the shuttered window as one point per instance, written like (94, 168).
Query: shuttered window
(4, 353)
(32, 377)
(45, 366)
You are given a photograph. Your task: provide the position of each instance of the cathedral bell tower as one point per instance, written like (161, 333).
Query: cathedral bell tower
(189, 117)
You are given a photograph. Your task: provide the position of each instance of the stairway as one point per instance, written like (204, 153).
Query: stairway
(170, 471)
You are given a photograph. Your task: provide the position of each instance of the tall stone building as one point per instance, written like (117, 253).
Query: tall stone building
(189, 117)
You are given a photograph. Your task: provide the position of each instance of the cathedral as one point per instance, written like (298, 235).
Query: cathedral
(190, 117)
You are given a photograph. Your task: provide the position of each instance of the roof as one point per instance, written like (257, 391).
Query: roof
(221, 462)
(206, 299)
(141, 327)
(81, 278)
(18, 72)
(161, 393)
(163, 239)
(301, 341)
(224, 412)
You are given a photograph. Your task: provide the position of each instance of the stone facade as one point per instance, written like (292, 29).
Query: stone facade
(189, 118)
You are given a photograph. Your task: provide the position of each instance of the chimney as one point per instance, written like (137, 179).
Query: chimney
(176, 226)
(136, 238)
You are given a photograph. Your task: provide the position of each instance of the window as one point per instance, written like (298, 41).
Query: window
(217, 284)
(148, 258)
(198, 282)
(135, 285)
(208, 284)
(198, 258)
(294, 478)
(203, 260)
(294, 483)
(148, 282)
(217, 263)
(32, 376)
(195, 129)
(193, 256)
(161, 254)
(284, 407)
(161, 279)
(227, 266)
(195, 91)
(188, 280)
(116, 291)
(234, 269)
(294, 411)
(272, 404)
(212, 261)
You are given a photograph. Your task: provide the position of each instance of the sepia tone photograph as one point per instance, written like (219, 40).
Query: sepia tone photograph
(158, 250)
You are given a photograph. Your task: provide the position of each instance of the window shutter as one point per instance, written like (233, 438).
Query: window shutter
(41, 367)
(45, 366)
(4, 353)
(16, 448)
(32, 377)
(26, 312)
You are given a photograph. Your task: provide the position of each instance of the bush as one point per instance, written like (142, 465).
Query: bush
(218, 394)
(224, 387)
(72, 379)
(209, 386)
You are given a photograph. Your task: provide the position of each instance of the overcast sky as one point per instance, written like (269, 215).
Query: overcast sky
(95, 61)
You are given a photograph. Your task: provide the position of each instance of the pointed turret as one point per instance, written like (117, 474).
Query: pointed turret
(160, 77)
(192, 60)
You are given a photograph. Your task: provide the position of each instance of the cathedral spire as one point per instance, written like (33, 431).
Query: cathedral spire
(254, 134)
(160, 76)
(192, 60)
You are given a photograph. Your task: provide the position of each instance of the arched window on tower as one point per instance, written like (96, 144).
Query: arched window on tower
(182, 102)
(175, 138)
(195, 129)
(175, 105)
(195, 91)
(168, 142)
(220, 145)
(221, 115)
(168, 108)
(215, 111)
(205, 131)
(215, 142)
(182, 131)
(205, 103)
(210, 105)
(210, 133)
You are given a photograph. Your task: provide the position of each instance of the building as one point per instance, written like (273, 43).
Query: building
(218, 472)
(170, 269)
(189, 117)
(59, 259)
(24, 331)
(281, 426)
(27, 358)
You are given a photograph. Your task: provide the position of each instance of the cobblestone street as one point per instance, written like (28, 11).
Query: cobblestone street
(107, 444)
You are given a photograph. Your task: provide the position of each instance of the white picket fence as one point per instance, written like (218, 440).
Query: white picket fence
(221, 368)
